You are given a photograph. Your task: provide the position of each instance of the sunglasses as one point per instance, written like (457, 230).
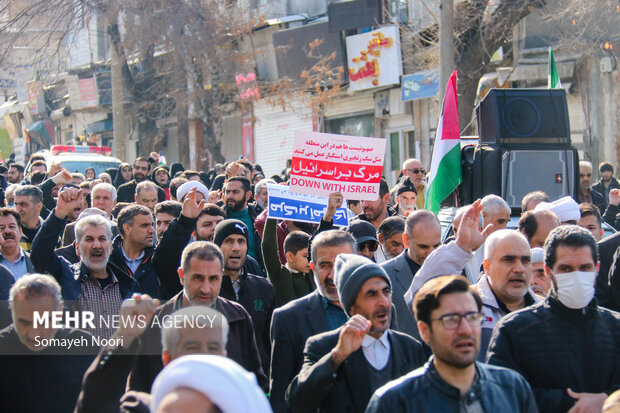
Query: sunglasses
(371, 245)
(416, 171)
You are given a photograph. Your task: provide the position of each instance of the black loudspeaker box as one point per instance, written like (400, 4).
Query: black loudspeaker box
(520, 117)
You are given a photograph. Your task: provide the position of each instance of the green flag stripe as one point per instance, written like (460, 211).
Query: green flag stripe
(447, 179)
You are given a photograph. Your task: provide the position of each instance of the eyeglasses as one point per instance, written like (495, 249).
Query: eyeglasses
(453, 320)
(588, 175)
(416, 171)
(371, 245)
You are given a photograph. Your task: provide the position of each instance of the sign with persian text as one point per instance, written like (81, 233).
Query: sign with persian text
(374, 58)
(284, 204)
(323, 163)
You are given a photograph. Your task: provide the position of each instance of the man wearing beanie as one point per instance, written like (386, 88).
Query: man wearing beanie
(253, 292)
(342, 368)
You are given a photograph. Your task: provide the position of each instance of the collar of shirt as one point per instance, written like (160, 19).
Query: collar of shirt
(412, 264)
(21, 257)
(139, 258)
(370, 340)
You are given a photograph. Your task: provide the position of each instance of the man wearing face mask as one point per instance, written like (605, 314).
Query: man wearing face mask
(567, 347)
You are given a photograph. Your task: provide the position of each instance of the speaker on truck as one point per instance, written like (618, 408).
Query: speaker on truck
(517, 117)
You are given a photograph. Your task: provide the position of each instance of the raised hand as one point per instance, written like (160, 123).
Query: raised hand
(469, 237)
(61, 177)
(614, 197)
(191, 208)
(136, 314)
(68, 200)
(350, 339)
(334, 202)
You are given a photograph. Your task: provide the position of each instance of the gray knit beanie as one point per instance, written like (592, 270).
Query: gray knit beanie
(350, 273)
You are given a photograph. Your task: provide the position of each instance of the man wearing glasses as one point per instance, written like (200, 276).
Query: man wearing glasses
(449, 320)
(413, 169)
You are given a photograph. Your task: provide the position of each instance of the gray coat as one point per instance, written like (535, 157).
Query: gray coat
(400, 274)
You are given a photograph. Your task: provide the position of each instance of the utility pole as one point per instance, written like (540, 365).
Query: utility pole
(446, 45)
(118, 106)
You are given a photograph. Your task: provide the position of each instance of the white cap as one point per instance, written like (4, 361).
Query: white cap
(538, 255)
(224, 382)
(565, 208)
(187, 186)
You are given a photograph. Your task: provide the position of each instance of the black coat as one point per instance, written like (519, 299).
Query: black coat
(291, 326)
(349, 390)
(45, 381)
(555, 348)
(145, 273)
(241, 346)
(607, 248)
(127, 192)
(257, 296)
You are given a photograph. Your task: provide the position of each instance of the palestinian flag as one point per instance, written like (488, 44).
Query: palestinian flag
(445, 174)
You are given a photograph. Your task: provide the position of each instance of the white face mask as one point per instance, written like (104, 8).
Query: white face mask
(575, 289)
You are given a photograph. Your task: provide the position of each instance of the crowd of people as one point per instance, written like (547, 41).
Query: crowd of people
(393, 313)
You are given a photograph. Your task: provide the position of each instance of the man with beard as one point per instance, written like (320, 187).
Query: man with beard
(127, 191)
(342, 368)
(94, 283)
(13, 256)
(16, 173)
(29, 203)
(406, 196)
(377, 211)
(254, 293)
(197, 220)
(237, 193)
(449, 318)
(307, 316)
(132, 249)
(200, 273)
(607, 181)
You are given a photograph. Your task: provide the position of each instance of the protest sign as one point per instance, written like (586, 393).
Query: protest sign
(323, 163)
(284, 204)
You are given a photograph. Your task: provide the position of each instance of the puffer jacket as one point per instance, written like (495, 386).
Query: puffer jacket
(423, 390)
(555, 347)
(492, 312)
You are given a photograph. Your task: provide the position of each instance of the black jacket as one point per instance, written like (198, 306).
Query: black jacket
(608, 277)
(69, 276)
(316, 387)
(254, 212)
(555, 347)
(423, 390)
(241, 346)
(45, 381)
(257, 296)
(598, 199)
(145, 273)
(127, 192)
(599, 187)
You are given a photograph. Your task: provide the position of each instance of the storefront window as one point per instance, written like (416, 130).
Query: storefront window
(361, 125)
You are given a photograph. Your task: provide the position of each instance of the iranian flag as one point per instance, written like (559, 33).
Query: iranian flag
(445, 174)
